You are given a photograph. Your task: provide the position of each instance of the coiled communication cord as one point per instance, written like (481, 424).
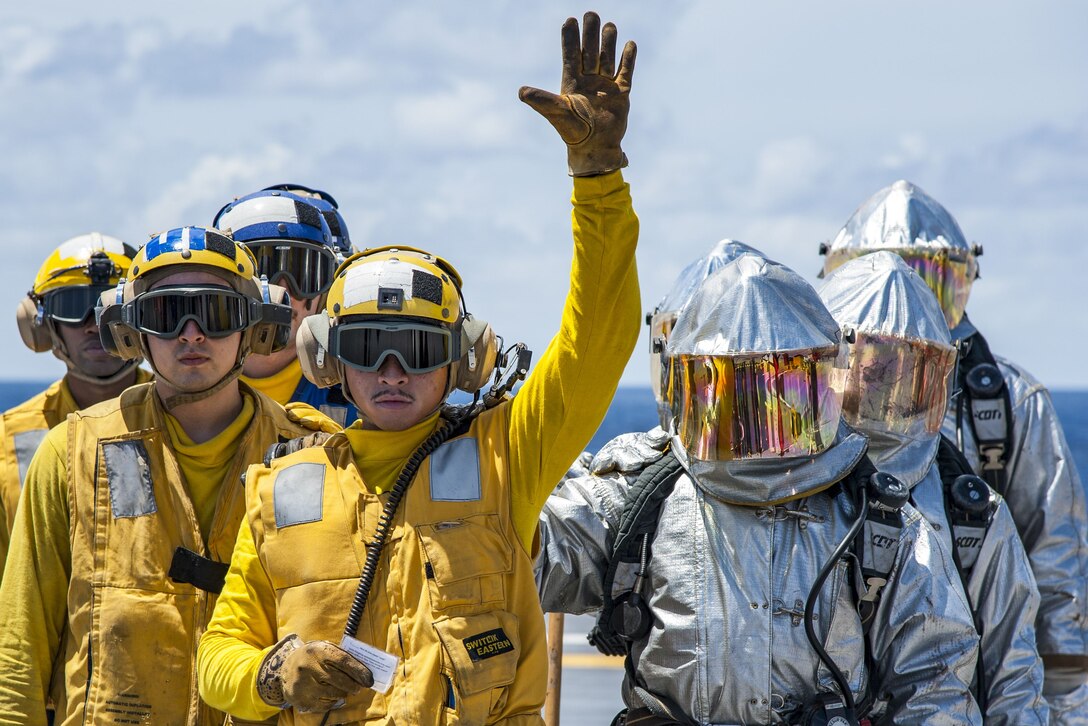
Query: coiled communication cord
(818, 585)
(454, 425)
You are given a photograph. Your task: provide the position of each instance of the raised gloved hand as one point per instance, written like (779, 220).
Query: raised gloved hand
(590, 113)
(628, 453)
(310, 677)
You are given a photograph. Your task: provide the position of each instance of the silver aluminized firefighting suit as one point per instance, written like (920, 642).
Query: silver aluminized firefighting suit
(879, 295)
(738, 546)
(1044, 493)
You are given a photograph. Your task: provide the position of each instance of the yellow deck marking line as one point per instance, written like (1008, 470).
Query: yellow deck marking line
(591, 660)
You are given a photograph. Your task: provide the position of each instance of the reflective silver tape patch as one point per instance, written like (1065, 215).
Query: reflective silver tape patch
(26, 443)
(989, 416)
(455, 472)
(129, 476)
(298, 494)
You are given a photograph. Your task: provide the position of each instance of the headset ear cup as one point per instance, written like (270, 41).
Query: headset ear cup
(36, 337)
(273, 332)
(479, 352)
(312, 344)
(117, 338)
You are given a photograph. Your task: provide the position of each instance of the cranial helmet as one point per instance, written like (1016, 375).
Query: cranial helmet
(324, 201)
(905, 220)
(398, 301)
(66, 289)
(289, 238)
(663, 317)
(132, 311)
(901, 360)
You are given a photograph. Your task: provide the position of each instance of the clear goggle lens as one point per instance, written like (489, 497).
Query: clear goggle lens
(898, 385)
(71, 305)
(306, 270)
(767, 406)
(365, 345)
(163, 312)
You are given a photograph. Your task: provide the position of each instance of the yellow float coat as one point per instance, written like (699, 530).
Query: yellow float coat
(454, 598)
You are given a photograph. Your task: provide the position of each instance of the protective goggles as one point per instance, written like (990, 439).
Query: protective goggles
(768, 406)
(307, 270)
(897, 384)
(217, 311)
(71, 305)
(365, 345)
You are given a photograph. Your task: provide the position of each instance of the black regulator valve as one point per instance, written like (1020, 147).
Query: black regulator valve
(829, 710)
(971, 495)
(984, 381)
(886, 492)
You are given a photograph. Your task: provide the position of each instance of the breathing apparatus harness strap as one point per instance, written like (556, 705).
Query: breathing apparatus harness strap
(985, 397)
(969, 506)
(615, 628)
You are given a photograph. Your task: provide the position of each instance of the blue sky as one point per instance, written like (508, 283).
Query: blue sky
(764, 122)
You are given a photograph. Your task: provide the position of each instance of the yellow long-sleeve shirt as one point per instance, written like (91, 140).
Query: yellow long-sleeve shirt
(34, 593)
(551, 419)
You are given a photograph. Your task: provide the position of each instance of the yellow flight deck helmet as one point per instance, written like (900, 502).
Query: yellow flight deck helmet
(66, 290)
(399, 301)
(252, 307)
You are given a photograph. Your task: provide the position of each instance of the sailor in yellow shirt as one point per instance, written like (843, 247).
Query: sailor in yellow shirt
(131, 508)
(57, 314)
(387, 574)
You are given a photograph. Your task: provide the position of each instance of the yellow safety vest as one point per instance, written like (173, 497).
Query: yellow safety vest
(454, 597)
(130, 650)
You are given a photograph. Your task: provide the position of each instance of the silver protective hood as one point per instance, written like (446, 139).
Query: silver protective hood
(880, 294)
(754, 306)
(692, 276)
(750, 306)
(897, 217)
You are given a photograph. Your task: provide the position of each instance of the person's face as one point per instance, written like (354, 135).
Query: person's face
(192, 361)
(262, 366)
(85, 351)
(392, 399)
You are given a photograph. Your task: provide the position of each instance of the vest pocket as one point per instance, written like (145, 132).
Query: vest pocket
(480, 657)
(465, 560)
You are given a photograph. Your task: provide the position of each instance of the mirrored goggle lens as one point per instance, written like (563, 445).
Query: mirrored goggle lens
(164, 312)
(949, 279)
(776, 405)
(307, 270)
(897, 385)
(419, 348)
(73, 304)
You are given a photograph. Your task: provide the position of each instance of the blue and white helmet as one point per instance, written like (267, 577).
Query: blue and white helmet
(289, 237)
(329, 208)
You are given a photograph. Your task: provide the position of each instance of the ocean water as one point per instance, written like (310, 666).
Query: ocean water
(633, 409)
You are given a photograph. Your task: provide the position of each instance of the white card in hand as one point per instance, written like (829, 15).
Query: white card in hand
(382, 665)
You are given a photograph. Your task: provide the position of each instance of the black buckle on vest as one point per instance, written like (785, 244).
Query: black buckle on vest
(188, 566)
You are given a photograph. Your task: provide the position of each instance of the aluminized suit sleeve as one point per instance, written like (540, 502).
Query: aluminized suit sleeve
(924, 644)
(1003, 591)
(577, 525)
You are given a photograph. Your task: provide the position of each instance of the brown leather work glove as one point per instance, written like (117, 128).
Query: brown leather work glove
(310, 677)
(590, 113)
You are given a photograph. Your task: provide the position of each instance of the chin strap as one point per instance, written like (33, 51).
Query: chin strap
(183, 398)
(127, 368)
